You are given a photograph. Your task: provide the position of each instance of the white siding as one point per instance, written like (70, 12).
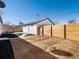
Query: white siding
(33, 29)
(25, 29)
(30, 29)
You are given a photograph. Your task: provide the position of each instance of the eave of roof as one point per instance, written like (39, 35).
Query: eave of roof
(32, 23)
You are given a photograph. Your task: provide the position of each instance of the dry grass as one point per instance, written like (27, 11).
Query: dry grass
(25, 50)
(43, 42)
(41, 48)
(67, 46)
(48, 44)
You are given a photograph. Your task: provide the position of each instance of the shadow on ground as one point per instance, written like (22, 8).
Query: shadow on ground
(26, 50)
(6, 51)
(17, 48)
(8, 35)
(61, 52)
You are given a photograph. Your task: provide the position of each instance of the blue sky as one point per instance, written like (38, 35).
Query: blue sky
(26, 10)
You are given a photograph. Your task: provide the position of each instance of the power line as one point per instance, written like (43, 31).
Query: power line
(38, 16)
(15, 16)
(11, 14)
(67, 14)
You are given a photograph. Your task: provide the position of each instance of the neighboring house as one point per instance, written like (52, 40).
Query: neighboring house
(17, 28)
(32, 28)
(11, 29)
(7, 28)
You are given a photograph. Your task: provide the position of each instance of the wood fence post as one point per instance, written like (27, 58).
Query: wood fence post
(64, 31)
(51, 30)
(42, 30)
(38, 30)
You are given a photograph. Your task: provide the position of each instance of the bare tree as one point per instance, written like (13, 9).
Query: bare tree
(72, 21)
(21, 23)
(55, 22)
(7, 23)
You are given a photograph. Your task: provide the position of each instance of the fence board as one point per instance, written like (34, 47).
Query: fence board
(58, 31)
(72, 32)
(40, 31)
(47, 30)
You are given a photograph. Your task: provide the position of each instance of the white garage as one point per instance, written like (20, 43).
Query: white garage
(32, 28)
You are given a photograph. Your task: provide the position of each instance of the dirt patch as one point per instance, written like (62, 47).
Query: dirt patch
(45, 48)
(43, 42)
(67, 46)
(61, 45)
(26, 50)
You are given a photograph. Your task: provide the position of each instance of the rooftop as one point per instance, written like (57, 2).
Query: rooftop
(35, 22)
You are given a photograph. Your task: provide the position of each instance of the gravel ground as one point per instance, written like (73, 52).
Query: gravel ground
(25, 50)
(45, 48)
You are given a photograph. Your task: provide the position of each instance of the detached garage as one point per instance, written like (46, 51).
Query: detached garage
(32, 28)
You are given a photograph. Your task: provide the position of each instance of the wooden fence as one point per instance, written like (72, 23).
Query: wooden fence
(70, 31)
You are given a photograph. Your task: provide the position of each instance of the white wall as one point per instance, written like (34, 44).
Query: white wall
(32, 29)
(25, 29)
